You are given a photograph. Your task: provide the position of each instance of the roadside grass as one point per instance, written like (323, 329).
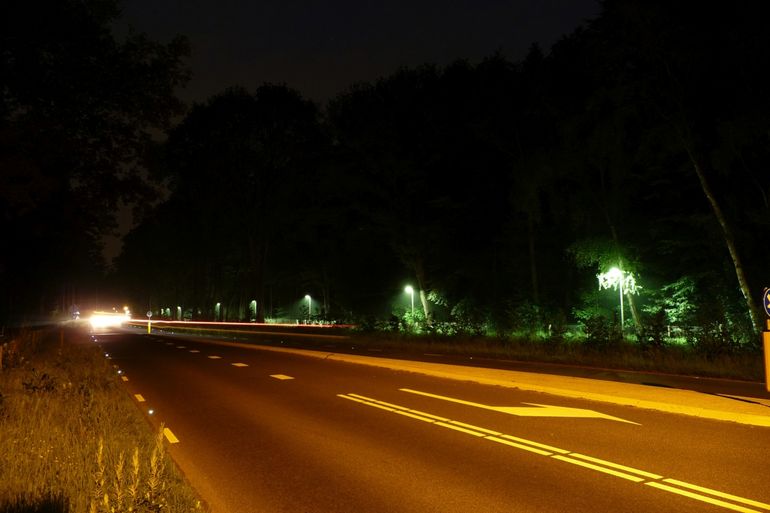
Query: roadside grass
(672, 358)
(71, 440)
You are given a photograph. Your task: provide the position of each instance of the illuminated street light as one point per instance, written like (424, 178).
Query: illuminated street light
(217, 308)
(621, 280)
(179, 313)
(309, 305)
(409, 290)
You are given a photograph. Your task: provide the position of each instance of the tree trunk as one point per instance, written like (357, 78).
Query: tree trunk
(419, 271)
(258, 251)
(730, 241)
(532, 263)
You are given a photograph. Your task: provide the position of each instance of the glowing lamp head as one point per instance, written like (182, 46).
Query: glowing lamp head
(408, 289)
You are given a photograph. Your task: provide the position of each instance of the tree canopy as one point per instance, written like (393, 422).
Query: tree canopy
(498, 189)
(78, 110)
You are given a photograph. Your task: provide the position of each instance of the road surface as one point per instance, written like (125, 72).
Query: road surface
(257, 430)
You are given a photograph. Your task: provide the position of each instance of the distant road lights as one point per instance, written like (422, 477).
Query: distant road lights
(179, 313)
(309, 305)
(410, 290)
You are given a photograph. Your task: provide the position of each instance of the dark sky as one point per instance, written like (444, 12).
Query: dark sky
(320, 48)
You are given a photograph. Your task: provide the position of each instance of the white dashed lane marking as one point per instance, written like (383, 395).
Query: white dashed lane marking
(281, 376)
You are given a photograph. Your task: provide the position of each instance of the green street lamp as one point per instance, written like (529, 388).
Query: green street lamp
(623, 281)
(309, 305)
(409, 290)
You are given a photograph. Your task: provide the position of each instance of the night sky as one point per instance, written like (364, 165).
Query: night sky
(320, 48)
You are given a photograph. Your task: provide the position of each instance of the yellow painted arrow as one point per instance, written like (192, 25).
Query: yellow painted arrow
(531, 410)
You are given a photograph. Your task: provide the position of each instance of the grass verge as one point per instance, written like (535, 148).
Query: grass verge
(672, 359)
(626, 355)
(71, 440)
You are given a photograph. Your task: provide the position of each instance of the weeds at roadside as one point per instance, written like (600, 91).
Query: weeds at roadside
(71, 440)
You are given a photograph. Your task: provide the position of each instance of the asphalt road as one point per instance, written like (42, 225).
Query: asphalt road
(262, 431)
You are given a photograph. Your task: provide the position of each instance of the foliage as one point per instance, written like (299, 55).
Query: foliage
(78, 110)
(79, 444)
(652, 336)
(602, 334)
(629, 143)
(526, 318)
(676, 299)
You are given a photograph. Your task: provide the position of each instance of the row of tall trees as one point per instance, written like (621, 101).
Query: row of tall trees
(78, 107)
(639, 141)
(498, 190)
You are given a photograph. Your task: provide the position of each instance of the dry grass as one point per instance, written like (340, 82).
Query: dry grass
(71, 440)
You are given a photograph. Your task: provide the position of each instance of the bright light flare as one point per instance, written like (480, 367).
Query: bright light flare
(108, 319)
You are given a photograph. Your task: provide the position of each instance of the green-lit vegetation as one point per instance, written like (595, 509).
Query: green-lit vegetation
(677, 357)
(70, 438)
(498, 190)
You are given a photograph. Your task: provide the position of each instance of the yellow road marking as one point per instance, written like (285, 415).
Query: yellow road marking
(582, 460)
(459, 428)
(281, 376)
(597, 467)
(428, 415)
(139, 398)
(470, 426)
(632, 470)
(519, 446)
(537, 444)
(410, 414)
(240, 364)
(170, 436)
(530, 410)
(724, 495)
(194, 351)
(699, 497)
(214, 357)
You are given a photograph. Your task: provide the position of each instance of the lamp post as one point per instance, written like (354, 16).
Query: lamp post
(409, 290)
(619, 276)
(309, 305)
(623, 281)
(217, 309)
